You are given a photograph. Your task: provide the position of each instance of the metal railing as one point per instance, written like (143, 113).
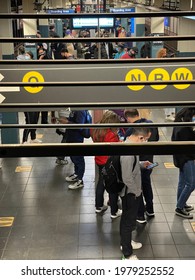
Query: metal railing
(45, 150)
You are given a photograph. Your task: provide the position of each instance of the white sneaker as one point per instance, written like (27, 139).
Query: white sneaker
(118, 214)
(78, 184)
(72, 178)
(132, 257)
(135, 245)
(101, 209)
(36, 141)
(61, 161)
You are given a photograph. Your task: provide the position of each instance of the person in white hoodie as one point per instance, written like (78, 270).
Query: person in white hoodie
(131, 193)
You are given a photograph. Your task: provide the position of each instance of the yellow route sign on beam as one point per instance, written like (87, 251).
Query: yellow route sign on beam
(6, 221)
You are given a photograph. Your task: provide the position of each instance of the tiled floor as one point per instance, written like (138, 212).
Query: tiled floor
(52, 222)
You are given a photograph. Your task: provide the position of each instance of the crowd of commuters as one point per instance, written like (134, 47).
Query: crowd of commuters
(135, 202)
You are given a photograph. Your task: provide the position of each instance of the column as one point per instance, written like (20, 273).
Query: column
(140, 28)
(157, 29)
(8, 136)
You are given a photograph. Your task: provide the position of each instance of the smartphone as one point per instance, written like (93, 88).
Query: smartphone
(152, 165)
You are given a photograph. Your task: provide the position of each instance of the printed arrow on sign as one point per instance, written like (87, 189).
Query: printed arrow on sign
(6, 89)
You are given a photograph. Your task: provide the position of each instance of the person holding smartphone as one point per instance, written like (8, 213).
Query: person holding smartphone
(132, 116)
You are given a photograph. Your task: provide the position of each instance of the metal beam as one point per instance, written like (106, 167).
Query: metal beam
(53, 150)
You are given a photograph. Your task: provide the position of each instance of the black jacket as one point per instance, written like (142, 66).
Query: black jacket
(182, 134)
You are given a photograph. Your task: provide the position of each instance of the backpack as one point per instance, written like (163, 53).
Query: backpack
(112, 175)
(88, 120)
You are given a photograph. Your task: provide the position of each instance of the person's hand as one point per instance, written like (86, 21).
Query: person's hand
(146, 163)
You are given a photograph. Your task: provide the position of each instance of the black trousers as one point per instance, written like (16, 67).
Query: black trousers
(30, 118)
(99, 196)
(130, 204)
(147, 193)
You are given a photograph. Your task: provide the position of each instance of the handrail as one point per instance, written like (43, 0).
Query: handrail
(96, 83)
(100, 39)
(99, 125)
(97, 15)
(91, 149)
(106, 105)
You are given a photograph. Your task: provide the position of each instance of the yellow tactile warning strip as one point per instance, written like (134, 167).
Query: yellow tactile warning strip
(193, 225)
(6, 221)
(23, 169)
(39, 136)
(169, 165)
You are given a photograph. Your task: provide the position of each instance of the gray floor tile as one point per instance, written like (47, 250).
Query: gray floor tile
(186, 251)
(165, 251)
(90, 252)
(161, 238)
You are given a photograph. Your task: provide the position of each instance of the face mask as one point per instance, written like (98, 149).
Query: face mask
(27, 57)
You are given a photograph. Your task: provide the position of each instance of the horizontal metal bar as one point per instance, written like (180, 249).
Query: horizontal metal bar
(99, 61)
(95, 83)
(99, 125)
(98, 15)
(20, 107)
(53, 150)
(102, 39)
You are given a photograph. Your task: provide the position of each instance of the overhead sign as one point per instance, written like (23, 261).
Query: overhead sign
(6, 89)
(99, 72)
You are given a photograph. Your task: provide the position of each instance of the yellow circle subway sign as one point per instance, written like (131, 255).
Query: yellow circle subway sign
(33, 77)
(159, 74)
(182, 74)
(136, 75)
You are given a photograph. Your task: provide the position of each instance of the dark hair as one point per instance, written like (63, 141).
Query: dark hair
(144, 131)
(185, 115)
(63, 50)
(21, 50)
(131, 113)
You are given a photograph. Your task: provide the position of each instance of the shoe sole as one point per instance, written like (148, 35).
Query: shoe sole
(73, 188)
(189, 209)
(141, 222)
(69, 180)
(184, 216)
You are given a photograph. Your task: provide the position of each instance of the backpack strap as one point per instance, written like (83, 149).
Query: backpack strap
(134, 164)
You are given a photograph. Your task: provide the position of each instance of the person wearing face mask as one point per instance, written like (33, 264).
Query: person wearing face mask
(29, 55)
(185, 163)
(120, 52)
(130, 54)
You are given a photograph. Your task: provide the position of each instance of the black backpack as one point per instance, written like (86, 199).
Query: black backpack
(112, 175)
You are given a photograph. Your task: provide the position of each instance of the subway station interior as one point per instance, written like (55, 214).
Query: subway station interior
(41, 218)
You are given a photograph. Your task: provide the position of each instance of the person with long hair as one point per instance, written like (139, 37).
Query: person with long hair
(185, 163)
(106, 135)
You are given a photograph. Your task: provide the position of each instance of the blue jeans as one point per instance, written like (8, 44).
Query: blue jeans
(186, 183)
(79, 166)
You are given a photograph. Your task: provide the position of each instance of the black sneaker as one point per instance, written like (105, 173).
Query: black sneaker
(183, 213)
(189, 208)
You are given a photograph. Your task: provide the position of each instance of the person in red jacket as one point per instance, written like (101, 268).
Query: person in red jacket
(130, 54)
(106, 135)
